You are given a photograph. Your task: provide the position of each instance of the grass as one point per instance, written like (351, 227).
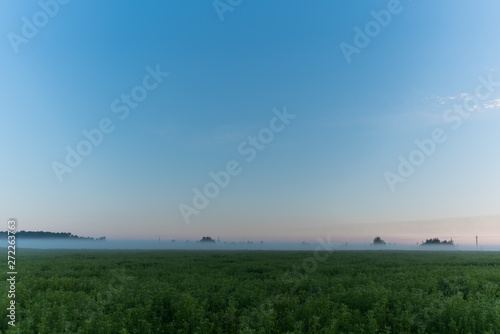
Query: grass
(89, 291)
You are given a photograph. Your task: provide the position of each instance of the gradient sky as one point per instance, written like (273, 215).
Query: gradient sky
(323, 175)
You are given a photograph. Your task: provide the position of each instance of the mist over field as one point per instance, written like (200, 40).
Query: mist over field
(191, 245)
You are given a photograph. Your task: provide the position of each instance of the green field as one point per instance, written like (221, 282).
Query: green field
(254, 292)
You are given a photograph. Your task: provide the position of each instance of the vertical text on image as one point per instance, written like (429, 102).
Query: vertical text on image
(11, 263)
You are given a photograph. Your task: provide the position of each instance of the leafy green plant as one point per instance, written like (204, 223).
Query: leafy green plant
(90, 291)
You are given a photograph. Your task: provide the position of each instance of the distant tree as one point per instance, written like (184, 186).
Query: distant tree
(207, 239)
(378, 241)
(436, 241)
(447, 242)
(48, 235)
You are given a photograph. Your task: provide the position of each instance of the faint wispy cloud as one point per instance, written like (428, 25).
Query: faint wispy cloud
(491, 68)
(493, 104)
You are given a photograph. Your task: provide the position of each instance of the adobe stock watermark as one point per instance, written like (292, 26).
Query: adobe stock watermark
(222, 6)
(12, 271)
(373, 28)
(120, 106)
(31, 26)
(249, 149)
(461, 110)
(309, 265)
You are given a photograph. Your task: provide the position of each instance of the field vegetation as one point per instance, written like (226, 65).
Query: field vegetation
(89, 291)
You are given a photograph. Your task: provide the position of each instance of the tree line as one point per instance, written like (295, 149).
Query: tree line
(435, 241)
(48, 235)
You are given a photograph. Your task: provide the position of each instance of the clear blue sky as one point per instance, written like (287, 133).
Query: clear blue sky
(323, 174)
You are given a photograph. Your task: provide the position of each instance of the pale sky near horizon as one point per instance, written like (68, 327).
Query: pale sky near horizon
(315, 108)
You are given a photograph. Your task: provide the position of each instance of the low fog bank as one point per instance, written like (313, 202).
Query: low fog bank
(184, 245)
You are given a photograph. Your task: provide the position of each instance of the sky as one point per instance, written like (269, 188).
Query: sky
(251, 120)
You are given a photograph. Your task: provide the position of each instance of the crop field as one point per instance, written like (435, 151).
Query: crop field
(90, 291)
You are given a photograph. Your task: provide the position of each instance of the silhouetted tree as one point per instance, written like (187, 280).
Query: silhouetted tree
(436, 241)
(207, 239)
(48, 235)
(378, 241)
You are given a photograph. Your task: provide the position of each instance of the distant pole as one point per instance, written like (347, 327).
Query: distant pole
(158, 239)
(476, 240)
